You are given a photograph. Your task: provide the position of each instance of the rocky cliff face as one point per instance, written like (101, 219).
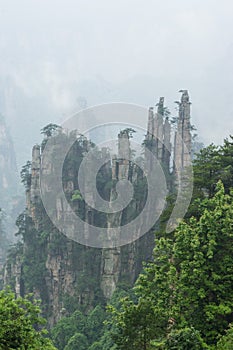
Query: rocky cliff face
(65, 274)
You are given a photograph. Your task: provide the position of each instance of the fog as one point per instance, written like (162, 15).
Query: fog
(55, 53)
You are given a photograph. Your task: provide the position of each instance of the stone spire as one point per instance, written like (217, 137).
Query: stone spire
(120, 167)
(183, 134)
(150, 125)
(160, 106)
(34, 192)
(111, 256)
(166, 143)
(35, 169)
(158, 137)
(159, 128)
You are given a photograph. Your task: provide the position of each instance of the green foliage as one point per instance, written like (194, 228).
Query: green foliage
(203, 256)
(136, 324)
(77, 342)
(66, 328)
(128, 131)
(76, 196)
(25, 175)
(185, 339)
(72, 330)
(21, 325)
(49, 129)
(96, 346)
(211, 165)
(57, 240)
(189, 284)
(23, 222)
(207, 169)
(33, 259)
(71, 303)
(105, 341)
(226, 341)
(94, 324)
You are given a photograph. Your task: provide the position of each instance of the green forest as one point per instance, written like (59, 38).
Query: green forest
(182, 299)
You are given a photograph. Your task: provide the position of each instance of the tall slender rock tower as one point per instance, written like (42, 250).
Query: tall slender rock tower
(182, 147)
(111, 260)
(159, 137)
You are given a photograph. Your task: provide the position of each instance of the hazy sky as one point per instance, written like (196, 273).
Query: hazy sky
(124, 50)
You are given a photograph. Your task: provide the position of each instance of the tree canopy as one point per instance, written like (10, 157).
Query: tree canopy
(21, 325)
(49, 129)
(188, 286)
